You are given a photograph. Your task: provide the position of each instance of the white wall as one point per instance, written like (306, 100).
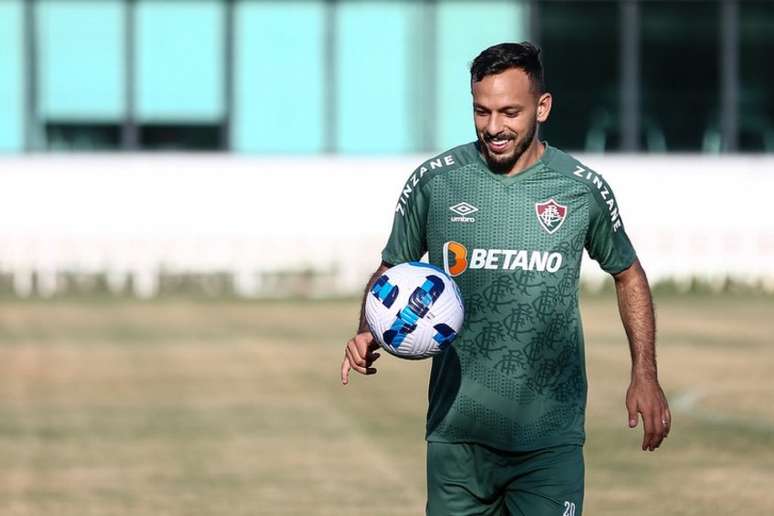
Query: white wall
(688, 216)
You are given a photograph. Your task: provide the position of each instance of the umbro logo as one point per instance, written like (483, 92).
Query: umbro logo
(463, 209)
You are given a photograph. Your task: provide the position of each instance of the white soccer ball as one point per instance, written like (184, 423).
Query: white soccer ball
(414, 310)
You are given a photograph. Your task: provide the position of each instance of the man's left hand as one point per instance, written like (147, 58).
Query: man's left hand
(645, 397)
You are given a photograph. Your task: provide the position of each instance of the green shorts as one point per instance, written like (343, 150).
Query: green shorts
(467, 479)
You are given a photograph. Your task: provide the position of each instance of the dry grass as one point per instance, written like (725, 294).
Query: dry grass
(183, 408)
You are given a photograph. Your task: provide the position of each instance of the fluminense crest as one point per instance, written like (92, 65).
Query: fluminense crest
(550, 214)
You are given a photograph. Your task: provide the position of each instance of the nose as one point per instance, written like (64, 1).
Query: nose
(494, 125)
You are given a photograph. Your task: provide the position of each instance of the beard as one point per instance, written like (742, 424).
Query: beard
(503, 164)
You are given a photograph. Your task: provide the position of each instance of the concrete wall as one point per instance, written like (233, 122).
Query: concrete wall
(139, 215)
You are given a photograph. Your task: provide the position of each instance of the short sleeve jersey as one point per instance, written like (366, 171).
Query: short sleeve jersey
(515, 378)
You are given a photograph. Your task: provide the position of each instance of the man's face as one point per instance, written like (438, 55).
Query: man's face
(506, 113)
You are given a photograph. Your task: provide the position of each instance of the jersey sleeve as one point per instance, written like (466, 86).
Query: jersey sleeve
(407, 240)
(606, 240)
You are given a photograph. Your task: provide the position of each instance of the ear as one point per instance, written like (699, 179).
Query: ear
(544, 107)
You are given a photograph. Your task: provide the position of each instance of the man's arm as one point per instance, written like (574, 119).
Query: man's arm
(359, 352)
(644, 395)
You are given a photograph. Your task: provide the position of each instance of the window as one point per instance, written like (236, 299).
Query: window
(680, 74)
(756, 102)
(189, 136)
(81, 97)
(82, 136)
(580, 55)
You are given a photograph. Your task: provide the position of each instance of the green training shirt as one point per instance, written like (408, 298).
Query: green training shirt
(515, 378)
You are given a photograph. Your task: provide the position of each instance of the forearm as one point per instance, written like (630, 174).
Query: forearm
(362, 325)
(635, 305)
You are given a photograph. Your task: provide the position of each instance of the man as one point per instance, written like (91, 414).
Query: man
(508, 217)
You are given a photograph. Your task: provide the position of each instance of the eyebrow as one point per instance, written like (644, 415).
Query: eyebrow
(511, 107)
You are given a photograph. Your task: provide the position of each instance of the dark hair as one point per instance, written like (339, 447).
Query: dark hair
(502, 57)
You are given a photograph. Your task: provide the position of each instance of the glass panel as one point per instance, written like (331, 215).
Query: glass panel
(279, 77)
(680, 74)
(81, 59)
(11, 77)
(373, 77)
(756, 52)
(580, 56)
(174, 137)
(464, 30)
(67, 136)
(180, 60)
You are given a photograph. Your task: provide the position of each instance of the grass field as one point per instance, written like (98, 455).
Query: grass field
(235, 408)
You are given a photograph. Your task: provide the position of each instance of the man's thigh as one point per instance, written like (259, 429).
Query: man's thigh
(460, 481)
(549, 483)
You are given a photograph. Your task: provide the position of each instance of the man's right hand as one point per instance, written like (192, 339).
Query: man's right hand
(359, 355)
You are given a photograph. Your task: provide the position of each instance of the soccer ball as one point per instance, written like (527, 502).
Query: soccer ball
(414, 310)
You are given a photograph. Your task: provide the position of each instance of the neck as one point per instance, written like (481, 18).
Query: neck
(528, 158)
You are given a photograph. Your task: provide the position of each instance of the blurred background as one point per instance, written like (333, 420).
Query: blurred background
(150, 142)
(245, 76)
(194, 193)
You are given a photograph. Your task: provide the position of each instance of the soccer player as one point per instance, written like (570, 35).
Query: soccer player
(508, 216)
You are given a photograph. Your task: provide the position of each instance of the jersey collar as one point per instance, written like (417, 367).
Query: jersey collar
(528, 172)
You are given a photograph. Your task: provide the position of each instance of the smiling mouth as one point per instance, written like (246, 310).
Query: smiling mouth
(498, 145)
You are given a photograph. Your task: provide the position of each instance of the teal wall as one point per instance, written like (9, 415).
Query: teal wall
(375, 99)
(81, 60)
(279, 77)
(179, 60)
(11, 77)
(464, 30)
